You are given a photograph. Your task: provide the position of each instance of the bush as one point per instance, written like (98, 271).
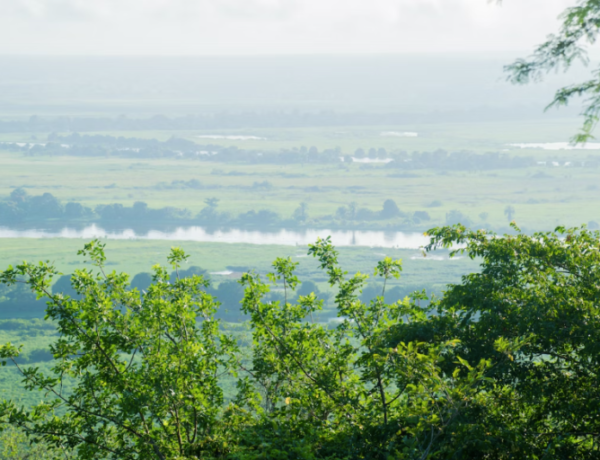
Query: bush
(11, 325)
(141, 282)
(308, 287)
(421, 216)
(456, 217)
(39, 355)
(366, 214)
(504, 365)
(230, 294)
(64, 286)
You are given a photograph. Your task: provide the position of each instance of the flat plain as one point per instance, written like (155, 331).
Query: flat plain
(542, 196)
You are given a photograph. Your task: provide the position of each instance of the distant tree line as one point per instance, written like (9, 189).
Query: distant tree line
(140, 212)
(21, 207)
(16, 301)
(103, 145)
(243, 119)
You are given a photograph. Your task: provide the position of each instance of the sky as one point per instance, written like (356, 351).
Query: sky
(248, 27)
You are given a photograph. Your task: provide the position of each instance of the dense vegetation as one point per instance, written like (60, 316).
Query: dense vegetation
(503, 365)
(20, 207)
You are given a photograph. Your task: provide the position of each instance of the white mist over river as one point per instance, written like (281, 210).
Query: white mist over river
(557, 146)
(382, 239)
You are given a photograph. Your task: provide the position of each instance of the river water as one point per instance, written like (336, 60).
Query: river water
(382, 239)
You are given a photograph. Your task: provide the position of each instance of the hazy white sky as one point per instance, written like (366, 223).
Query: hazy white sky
(191, 27)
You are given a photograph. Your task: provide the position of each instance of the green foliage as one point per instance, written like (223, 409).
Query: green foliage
(533, 310)
(14, 445)
(146, 370)
(21, 206)
(509, 212)
(502, 365)
(580, 24)
(345, 391)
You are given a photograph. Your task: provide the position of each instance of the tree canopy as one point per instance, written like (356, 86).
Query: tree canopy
(503, 365)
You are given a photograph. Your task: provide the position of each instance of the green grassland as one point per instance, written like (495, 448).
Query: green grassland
(135, 256)
(542, 196)
(36, 335)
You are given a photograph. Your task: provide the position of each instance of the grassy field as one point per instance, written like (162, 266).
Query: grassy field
(134, 256)
(543, 197)
(36, 336)
(569, 196)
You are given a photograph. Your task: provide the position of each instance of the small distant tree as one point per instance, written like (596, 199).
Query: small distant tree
(456, 217)
(365, 214)
(45, 206)
(230, 294)
(484, 216)
(114, 211)
(509, 212)
(301, 212)
(342, 213)
(422, 216)
(390, 209)
(10, 211)
(212, 202)
(19, 195)
(64, 286)
(140, 208)
(307, 288)
(74, 210)
(359, 153)
(352, 208)
(264, 185)
(141, 282)
(267, 217)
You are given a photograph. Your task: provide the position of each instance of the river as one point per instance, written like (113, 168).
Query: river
(387, 239)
